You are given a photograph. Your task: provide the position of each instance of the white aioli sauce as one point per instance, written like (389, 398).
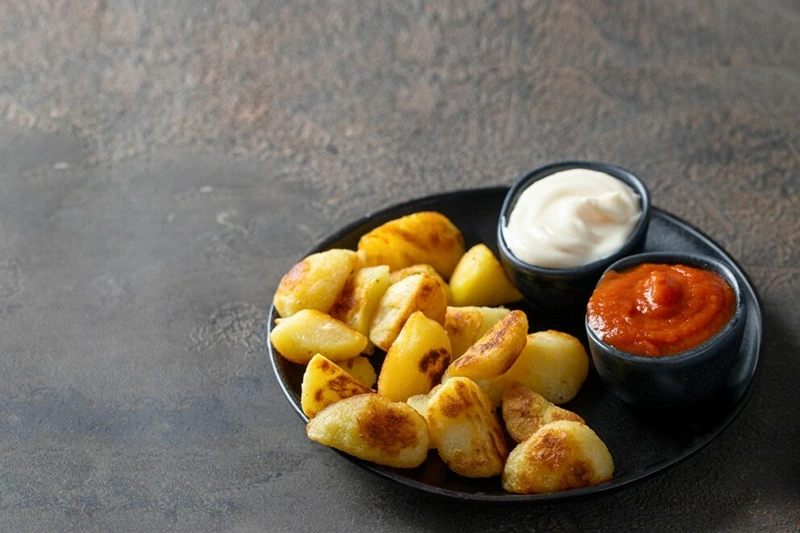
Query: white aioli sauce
(571, 218)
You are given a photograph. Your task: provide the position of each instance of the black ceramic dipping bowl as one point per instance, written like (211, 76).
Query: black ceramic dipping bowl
(567, 287)
(687, 379)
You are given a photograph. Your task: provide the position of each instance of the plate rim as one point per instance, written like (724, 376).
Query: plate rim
(615, 484)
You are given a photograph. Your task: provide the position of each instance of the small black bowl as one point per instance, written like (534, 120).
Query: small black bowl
(684, 380)
(567, 287)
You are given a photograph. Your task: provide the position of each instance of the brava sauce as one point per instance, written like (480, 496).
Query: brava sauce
(658, 309)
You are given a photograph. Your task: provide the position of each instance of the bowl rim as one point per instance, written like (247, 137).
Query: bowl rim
(518, 187)
(674, 258)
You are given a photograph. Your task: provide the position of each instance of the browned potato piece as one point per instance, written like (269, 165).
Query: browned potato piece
(524, 412)
(465, 325)
(461, 325)
(373, 428)
(325, 383)
(420, 404)
(416, 360)
(420, 401)
(479, 279)
(560, 456)
(421, 268)
(360, 297)
(553, 363)
(361, 369)
(427, 237)
(418, 292)
(464, 427)
(315, 282)
(496, 351)
(309, 332)
(493, 387)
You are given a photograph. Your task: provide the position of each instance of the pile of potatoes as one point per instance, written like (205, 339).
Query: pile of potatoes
(461, 374)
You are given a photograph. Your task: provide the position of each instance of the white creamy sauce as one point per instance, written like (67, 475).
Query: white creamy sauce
(571, 218)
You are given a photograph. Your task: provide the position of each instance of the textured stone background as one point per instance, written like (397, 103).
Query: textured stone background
(162, 163)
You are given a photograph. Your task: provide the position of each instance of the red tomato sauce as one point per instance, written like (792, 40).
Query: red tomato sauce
(656, 309)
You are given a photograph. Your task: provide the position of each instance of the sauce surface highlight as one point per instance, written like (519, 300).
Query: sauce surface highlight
(571, 218)
(658, 309)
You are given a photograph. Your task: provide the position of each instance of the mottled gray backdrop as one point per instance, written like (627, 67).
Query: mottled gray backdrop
(163, 163)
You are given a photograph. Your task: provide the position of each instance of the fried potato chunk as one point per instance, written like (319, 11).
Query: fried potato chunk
(420, 404)
(315, 282)
(308, 332)
(325, 383)
(426, 237)
(421, 268)
(464, 427)
(360, 368)
(465, 325)
(360, 297)
(420, 401)
(418, 292)
(416, 360)
(461, 325)
(479, 279)
(373, 428)
(553, 363)
(496, 351)
(560, 456)
(493, 387)
(524, 412)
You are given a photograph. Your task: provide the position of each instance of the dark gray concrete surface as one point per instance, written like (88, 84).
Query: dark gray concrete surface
(162, 164)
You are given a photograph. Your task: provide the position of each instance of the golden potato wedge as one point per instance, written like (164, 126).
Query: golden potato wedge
(325, 383)
(421, 268)
(464, 427)
(560, 456)
(416, 360)
(309, 332)
(315, 282)
(420, 401)
(420, 404)
(465, 325)
(373, 428)
(479, 279)
(496, 351)
(553, 363)
(490, 316)
(462, 325)
(524, 412)
(493, 387)
(426, 237)
(360, 297)
(360, 368)
(418, 292)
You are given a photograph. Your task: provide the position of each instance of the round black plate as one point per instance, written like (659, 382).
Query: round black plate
(642, 443)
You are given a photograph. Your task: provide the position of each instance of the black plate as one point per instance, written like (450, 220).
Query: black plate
(642, 443)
